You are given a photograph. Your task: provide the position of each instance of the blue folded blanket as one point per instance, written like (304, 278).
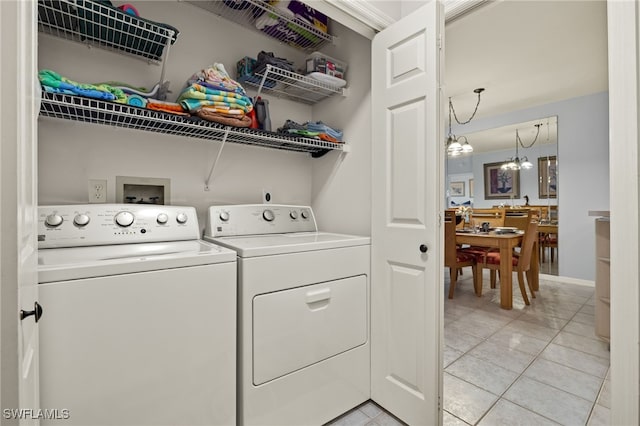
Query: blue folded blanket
(72, 90)
(319, 126)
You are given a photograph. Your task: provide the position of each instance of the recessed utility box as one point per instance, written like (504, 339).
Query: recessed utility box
(143, 190)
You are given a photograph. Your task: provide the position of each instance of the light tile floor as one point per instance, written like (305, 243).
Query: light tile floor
(532, 365)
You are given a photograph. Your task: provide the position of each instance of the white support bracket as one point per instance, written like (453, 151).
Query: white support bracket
(213, 166)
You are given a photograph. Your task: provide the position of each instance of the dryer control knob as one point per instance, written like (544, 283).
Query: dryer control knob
(124, 219)
(182, 218)
(224, 216)
(162, 218)
(293, 214)
(81, 219)
(53, 220)
(304, 214)
(268, 215)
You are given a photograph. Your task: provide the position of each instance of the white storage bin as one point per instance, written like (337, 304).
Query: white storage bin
(319, 62)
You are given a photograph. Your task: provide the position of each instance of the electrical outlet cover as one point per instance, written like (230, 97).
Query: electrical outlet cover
(97, 190)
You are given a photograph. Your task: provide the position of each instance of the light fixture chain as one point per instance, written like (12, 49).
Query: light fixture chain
(456, 116)
(534, 139)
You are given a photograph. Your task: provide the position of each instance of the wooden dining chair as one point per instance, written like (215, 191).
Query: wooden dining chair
(495, 217)
(519, 219)
(521, 262)
(548, 241)
(454, 258)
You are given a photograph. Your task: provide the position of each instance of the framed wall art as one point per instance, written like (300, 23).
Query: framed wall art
(456, 189)
(499, 183)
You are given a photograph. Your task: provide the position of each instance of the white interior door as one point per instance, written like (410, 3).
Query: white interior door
(406, 250)
(19, 203)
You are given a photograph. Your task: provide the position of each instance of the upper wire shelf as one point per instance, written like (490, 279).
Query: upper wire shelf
(96, 111)
(260, 16)
(96, 24)
(293, 86)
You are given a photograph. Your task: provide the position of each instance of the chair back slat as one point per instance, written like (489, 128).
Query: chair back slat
(450, 249)
(520, 221)
(495, 217)
(530, 237)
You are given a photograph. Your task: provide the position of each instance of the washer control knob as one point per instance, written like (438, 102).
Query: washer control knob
(124, 219)
(293, 214)
(304, 214)
(162, 218)
(224, 216)
(182, 218)
(53, 220)
(268, 215)
(81, 219)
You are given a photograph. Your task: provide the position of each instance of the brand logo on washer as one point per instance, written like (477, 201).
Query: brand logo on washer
(41, 237)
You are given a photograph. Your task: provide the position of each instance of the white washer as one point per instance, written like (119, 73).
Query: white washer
(139, 321)
(303, 314)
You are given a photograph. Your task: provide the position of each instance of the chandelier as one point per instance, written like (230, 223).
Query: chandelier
(454, 146)
(517, 163)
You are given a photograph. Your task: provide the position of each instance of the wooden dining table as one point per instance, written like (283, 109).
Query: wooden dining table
(505, 243)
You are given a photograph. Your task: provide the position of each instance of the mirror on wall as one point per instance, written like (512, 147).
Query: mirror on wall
(478, 178)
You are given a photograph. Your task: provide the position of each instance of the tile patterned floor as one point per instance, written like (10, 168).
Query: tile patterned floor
(533, 365)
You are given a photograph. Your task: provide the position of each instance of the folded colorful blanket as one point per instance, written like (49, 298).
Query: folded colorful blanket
(217, 77)
(197, 96)
(86, 93)
(319, 126)
(210, 115)
(54, 80)
(198, 91)
(170, 107)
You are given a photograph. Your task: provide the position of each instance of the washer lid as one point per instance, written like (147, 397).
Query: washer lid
(58, 264)
(271, 244)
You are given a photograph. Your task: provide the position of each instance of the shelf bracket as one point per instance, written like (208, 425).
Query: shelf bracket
(264, 79)
(213, 166)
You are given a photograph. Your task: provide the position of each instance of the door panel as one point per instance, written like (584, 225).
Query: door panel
(406, 257)
(19, 202)
(407, 177)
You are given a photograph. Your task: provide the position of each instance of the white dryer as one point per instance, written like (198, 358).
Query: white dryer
(303, 314)
(139, 322)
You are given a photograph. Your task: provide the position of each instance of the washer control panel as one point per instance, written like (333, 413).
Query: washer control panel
(102, 224)
(256, 219)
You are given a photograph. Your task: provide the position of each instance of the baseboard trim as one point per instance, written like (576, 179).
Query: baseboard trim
(568, 280)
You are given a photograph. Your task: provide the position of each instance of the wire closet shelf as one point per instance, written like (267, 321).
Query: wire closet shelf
(296, 87)
(290, 30)
(96, 111)
(95, 24)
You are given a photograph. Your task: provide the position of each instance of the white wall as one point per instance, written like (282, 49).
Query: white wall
(583, 171)
(342, 182)
(70, 153)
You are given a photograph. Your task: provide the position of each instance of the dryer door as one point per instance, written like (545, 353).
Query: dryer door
(295, 328)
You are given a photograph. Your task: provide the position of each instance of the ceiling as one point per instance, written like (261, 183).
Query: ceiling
(524, 53)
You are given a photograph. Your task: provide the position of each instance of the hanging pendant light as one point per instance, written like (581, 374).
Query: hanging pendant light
(454, 147)
(517, 163)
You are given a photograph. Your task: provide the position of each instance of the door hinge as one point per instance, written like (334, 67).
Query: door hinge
(439, 41)
(439, 220)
